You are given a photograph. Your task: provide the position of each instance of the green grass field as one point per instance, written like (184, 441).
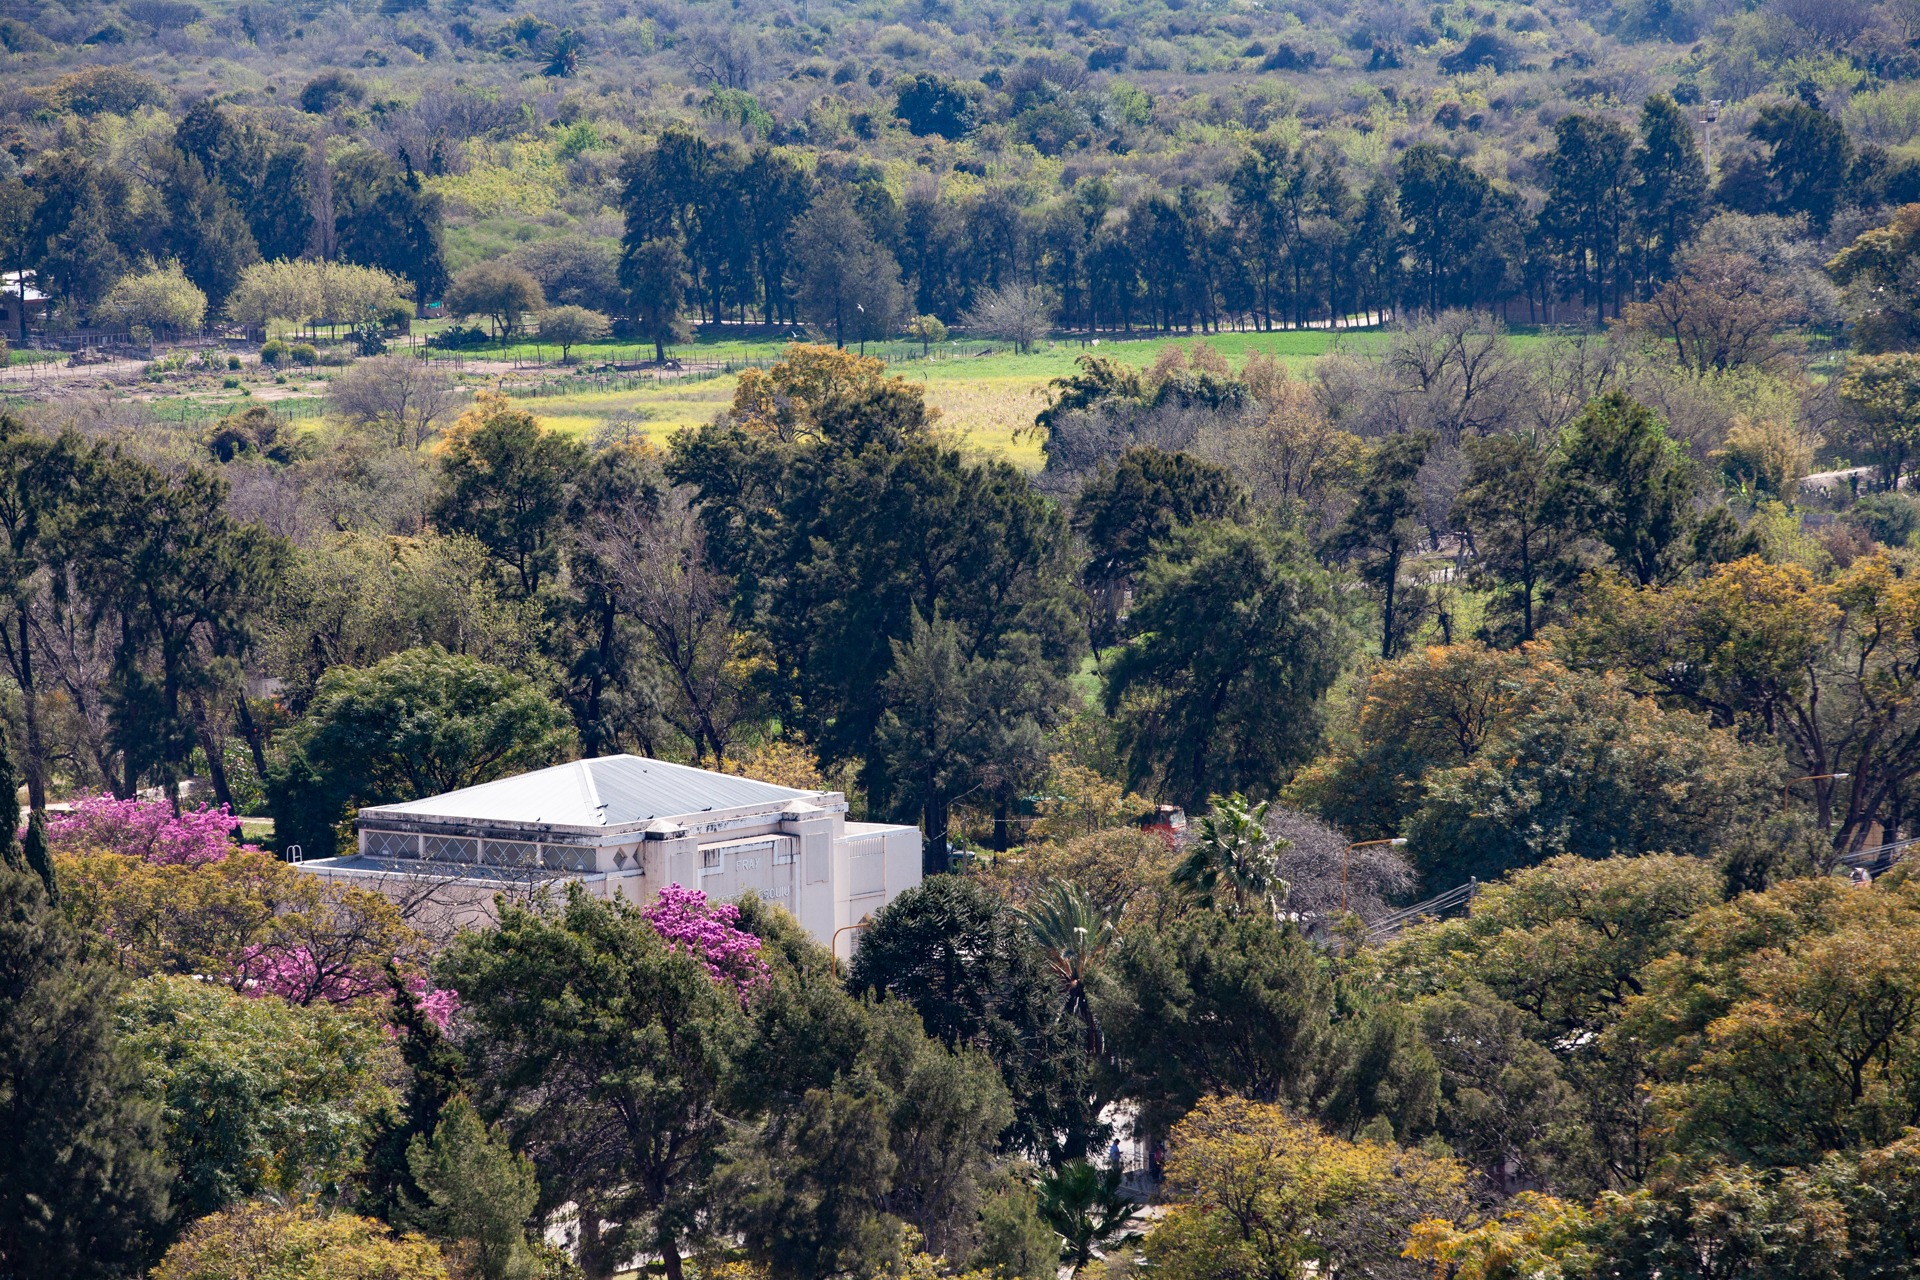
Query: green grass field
(989, 399)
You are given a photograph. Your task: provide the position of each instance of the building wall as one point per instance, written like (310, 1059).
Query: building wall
(829, 874)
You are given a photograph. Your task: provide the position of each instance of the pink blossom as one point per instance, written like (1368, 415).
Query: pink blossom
(439, 1004)
(146, 829)
(706, 931)
(291, 974)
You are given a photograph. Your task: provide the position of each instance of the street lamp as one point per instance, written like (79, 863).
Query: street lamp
(1395, 841)
(1812, 777)
(833, 944)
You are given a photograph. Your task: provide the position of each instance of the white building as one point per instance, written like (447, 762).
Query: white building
(628, 826)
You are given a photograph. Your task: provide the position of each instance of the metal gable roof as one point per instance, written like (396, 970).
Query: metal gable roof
(609, 791)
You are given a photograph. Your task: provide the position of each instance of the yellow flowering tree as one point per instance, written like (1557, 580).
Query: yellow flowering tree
(1261, 1193)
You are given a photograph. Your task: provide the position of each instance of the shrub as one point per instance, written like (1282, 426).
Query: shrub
(303, 353)
(161, 299)
(274, 353)
(1888, 518)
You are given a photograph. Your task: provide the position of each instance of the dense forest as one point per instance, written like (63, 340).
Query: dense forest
(1466, 478)
(1195, 167)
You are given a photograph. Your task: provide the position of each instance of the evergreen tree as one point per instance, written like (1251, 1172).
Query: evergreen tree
(203, 229)
(475, 1192)
(435, 1076)
(1669, 187)
(83, 1186)
(1624, 481)
(1381, 531)
(383, 218)
(505, 483)
(1446, 210)
(1802, 167)
(848, 283)
(1238, 636)
(1518, 544)
(654, 274)
(1585, 218)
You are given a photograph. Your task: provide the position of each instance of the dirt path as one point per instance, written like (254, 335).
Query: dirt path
(30, 377)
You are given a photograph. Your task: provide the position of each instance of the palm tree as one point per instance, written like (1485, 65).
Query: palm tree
(1074, 935)
(1235, 859)
(1084, 1205)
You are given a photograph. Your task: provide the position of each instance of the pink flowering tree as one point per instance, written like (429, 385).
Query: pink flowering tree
(147, 829)
(709, 932)
(293, 974)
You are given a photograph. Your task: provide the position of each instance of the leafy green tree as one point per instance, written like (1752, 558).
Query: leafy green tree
(435, 1076)
(927, 331)
(162, 300)
(1381, 531)
(1884, 392)
(1449, 214)
(1624, 481)
(498, 290)
(258, 1096)
(265, 175)
(1238, 637)
(44, 475)
(1808, 156)
(204, 230)
(1504, 1106)
(505, 482)
(1565, 948)
(1217, 1004)
(1594, 770)
(849, 284)
(805, 1194)
(903, 1136)
(861, 1125)
(654, 274)
(1880, 271)
(840, 518)
(181, 581)
(384, 217)
(1819, 670)
(1781, 1025)
(569, 326)
(1519, 547)
(419, 723)
(958, 723)
(933, 106)
(83, 1190)
(604, 1054)
(960, 958)
(1085, 1207)
(1016, 1242)
(84, 228)
(475, 1193)
(1128, 508)
(1258, 1190)
(1235, 864)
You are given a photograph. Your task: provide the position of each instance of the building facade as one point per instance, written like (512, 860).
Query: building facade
(627, 826)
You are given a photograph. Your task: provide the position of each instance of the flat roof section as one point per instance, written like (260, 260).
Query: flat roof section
(609, 791)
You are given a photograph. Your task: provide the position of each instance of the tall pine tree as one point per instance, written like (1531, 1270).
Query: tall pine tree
(83, 1184)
